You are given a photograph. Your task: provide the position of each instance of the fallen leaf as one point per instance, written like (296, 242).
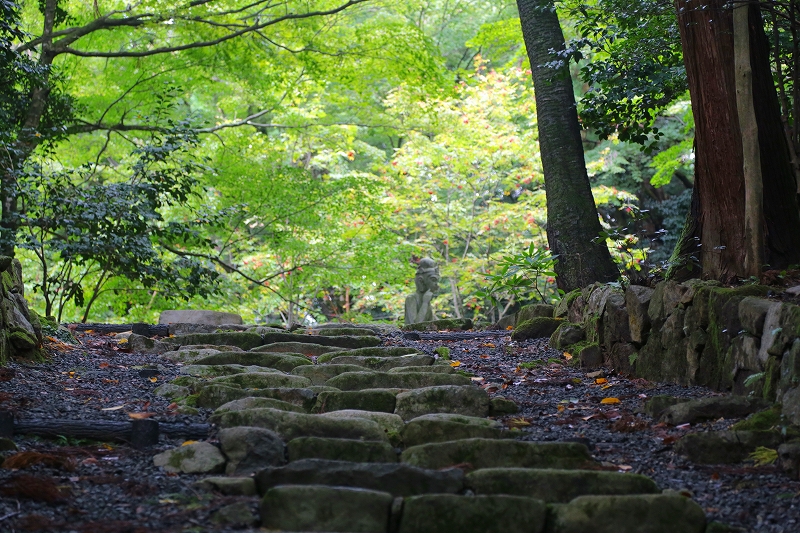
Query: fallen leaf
(518, 422)
(140, 416)
(509, 328)
(118, 407)
(122, 341)
(567, 356)
(103, 365)
(601, 381)
(188, 442)
(488, 345)
(610, 400)
(115, 381)
(455, 363)
(576, 381)
(484, 356)
(683, 426)
(153, 379)
(605, 387)
(625, 468)
(107, 446)
(174, 405)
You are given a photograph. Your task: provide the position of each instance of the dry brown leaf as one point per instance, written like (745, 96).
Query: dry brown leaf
(140, 416)
(609, 401)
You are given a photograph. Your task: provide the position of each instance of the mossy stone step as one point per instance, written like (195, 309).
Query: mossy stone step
(319, 374)
(376, 351)
(436, 369)
(443, 427)
(341, 450)
(214, 395)
(242, 340)
(345, 341)
(466, 400)
(557, 486)
(303, 348)
(459, 324)
(653, 513)
(254, 402)
(395, 478)
(189, 356)
(384, 364)
(493, 453)
(262, 380)
(215, 371)
(391, 423)
(292, 425)
(448, 513)
(319, 508)
(381, 400)
(284, 362)
(339, 332)
(350, 381)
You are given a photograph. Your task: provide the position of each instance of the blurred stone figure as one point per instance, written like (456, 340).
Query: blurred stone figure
(418, 305)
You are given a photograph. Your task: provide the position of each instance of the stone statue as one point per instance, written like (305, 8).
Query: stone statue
(418, 305)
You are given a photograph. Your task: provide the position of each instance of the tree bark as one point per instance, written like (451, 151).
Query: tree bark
(751, 156)
(573, 228)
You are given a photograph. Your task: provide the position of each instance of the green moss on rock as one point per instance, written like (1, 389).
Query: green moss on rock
(536, 328)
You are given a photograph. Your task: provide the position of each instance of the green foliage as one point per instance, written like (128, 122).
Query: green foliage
(524, 275)
(443, 352)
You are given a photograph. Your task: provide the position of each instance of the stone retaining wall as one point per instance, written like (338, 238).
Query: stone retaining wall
(20, 329)
(691, 333)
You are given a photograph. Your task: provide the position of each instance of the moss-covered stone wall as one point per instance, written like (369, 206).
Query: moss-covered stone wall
(20, 328)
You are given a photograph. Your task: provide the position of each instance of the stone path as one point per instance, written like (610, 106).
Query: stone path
(334, 432)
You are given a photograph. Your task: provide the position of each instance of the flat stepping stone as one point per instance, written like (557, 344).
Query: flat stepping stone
(493, 453)
(376, 351)
(448, 513)
(196, 458)
(435, 369)
(341, 450)
(443, 427)
(198, 316)
(189, 356)
(381, 400)
(384, 380)
(651, 513)
(219, 348)
(214, 395)
(557, 486)
(394, 478)
(302, 348)
(292, 425)
(242, 339)
(345, 341)
(262, 380)
(318, 508)
(391, 423)
(461, 400)
(319, 374)
(254, 402)
(384, 364)
(215, 371)
(338, 332)
(284, 362)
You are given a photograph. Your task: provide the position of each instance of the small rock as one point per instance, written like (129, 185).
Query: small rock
(656, 405)
(170, 390)
(250, 448)
(596, 374)
(229, 486)
(196, 458)
(357, 451)
(500, 406)
(235, 515)
(535, 328)
(468, 400)
(318, 508)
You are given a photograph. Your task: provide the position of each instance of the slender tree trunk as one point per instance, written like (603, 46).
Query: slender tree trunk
(751, 155)
(573, 227)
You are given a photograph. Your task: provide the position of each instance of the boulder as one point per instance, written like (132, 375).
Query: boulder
(719, 447)
(236, 515)
(441, 427)
(350, 381)
(500, 406)
(319, 508)
(637, 300)
(250, 449)
(562, 308)
(229, 486)
(319, 374)
(535, 311)
(566, 335)
(589, 355)
(460, 400)
(198, 316)
(712, 408)
(284, 362)
(535, 328)
(292, 425)
(395, 478)
(195, 458)
(446, 513)
(557, 486)
(358, 451)
(489, 453)
(296, 348)
(383, 364)
(381, 400)
(653, 513)
(141, 344)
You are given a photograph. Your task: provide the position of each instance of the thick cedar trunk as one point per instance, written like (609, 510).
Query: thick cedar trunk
(706, 28)
(573, 227)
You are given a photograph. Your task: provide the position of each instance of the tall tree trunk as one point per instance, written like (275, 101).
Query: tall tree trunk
(573, 227)
(706, 28)
(751, 156)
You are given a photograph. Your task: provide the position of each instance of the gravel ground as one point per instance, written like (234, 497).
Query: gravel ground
(93, 487)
